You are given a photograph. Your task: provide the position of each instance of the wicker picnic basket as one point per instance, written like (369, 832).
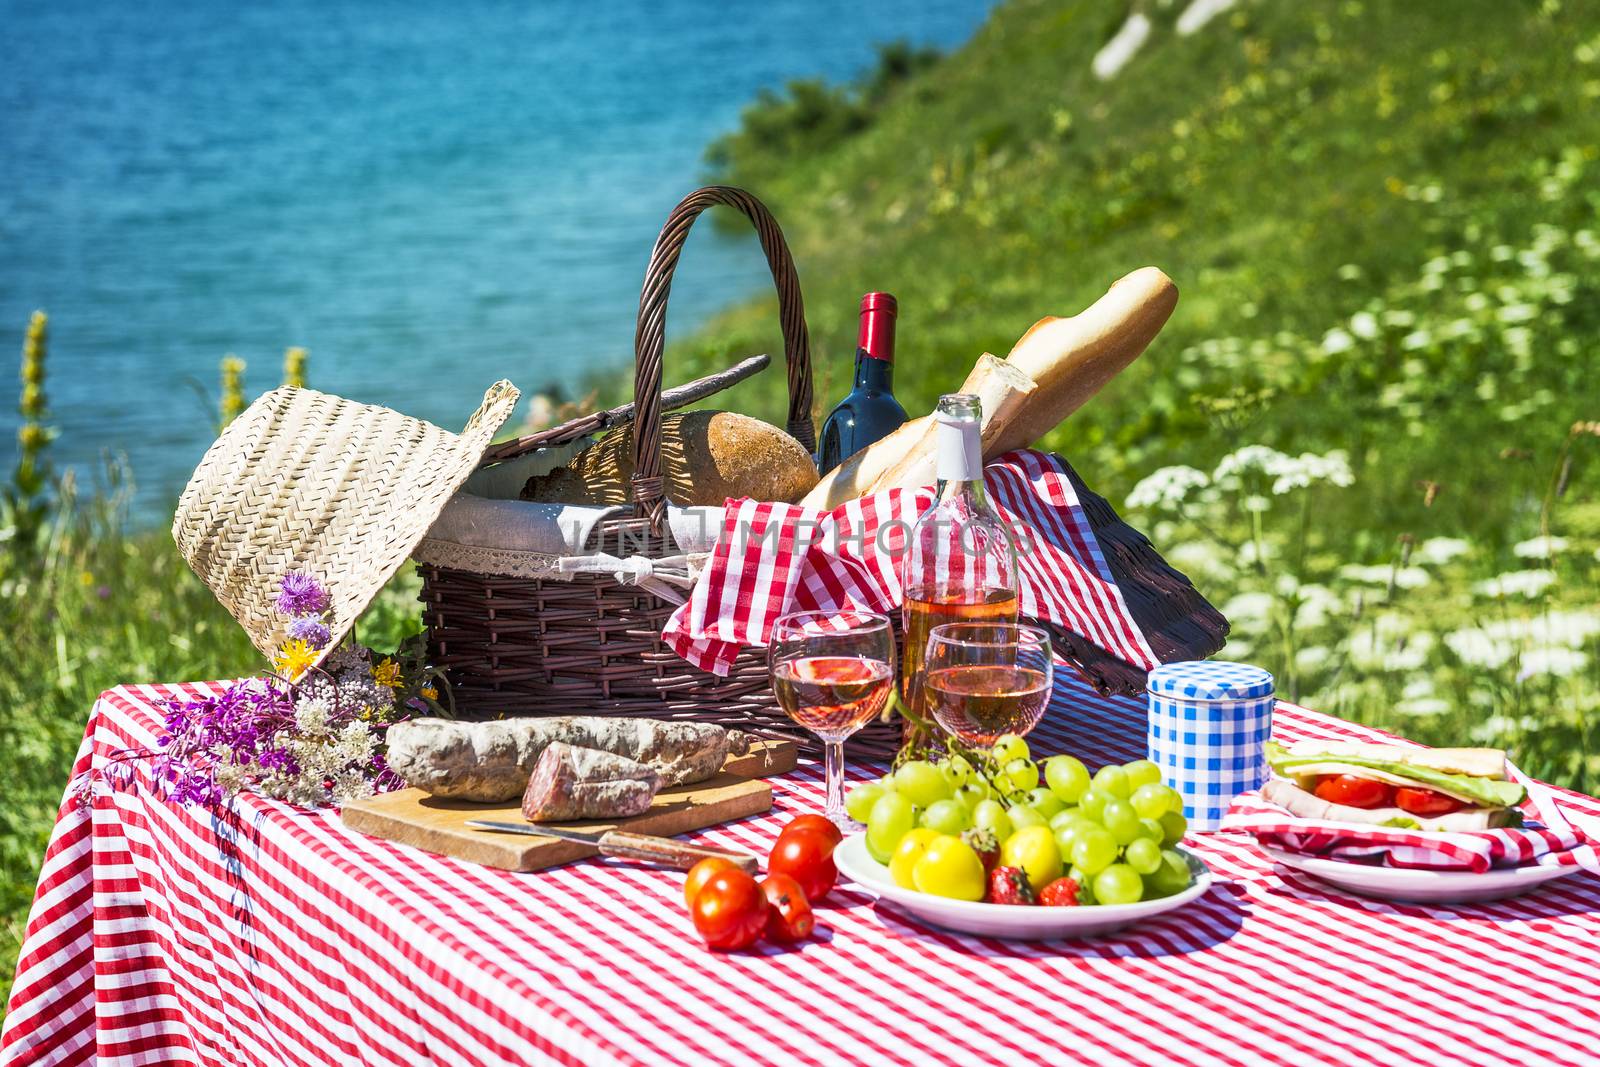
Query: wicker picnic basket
(591, 643)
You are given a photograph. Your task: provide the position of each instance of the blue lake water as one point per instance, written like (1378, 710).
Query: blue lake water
(427, 196)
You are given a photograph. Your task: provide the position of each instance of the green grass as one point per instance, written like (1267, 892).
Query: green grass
(1385, 222)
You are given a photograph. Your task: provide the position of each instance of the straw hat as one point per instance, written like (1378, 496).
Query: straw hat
(304, 481)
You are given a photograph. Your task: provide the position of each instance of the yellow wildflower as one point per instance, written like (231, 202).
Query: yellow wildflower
(431, 692)
(294, 658)
(387, 673)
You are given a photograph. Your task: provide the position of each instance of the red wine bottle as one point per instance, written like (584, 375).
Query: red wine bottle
(870, 411)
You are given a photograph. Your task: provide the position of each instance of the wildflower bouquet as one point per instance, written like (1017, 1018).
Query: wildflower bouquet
(310, 734)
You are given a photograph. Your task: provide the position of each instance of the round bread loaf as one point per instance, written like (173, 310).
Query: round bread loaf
(706, 457)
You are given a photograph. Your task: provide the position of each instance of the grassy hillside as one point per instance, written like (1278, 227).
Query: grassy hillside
(1382, 217)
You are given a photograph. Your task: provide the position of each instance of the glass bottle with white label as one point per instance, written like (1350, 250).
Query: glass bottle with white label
(960, 562)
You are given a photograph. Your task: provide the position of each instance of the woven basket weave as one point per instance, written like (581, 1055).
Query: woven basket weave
(306, 481)
(591, 644)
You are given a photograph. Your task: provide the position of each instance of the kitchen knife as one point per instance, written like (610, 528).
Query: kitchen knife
(623, 845)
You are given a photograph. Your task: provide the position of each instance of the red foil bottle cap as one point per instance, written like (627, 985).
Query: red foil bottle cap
(876, 338)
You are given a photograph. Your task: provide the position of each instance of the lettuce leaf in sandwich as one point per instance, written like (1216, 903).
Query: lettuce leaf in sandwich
(1477, 778)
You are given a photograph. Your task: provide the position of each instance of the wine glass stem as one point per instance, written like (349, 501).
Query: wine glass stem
(833, 765)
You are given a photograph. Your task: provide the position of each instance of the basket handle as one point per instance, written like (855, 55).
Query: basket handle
(649, 338)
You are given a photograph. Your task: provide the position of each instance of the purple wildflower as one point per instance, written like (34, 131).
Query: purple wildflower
(310, 629)
(300, 594)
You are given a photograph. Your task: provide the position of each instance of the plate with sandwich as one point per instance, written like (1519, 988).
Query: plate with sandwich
(1432, 825)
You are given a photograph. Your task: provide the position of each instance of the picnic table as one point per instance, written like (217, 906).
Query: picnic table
(261, 933)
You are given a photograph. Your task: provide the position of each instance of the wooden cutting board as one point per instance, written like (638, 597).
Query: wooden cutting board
(412, 817)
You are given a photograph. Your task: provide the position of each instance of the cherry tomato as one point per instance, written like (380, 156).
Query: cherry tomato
(789, 917)
(701, 873)
(816, 824)
(1352, 791)
(1425, 801)
(730, 911)
(808, 859)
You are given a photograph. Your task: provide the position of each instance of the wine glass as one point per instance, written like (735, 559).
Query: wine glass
(985, 679)
(832, 673)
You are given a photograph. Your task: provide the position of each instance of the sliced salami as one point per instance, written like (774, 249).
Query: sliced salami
(570, 782)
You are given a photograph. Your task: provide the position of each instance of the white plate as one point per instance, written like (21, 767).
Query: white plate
(1021, 921)
(1418, 886)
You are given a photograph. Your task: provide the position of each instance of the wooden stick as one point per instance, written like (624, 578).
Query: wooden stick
(671, 400)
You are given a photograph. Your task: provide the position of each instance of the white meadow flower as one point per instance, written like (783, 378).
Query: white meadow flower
(1540, 547)
(1517, 583)
(1364, 324)
(1478, 649)
(1440, 550)
(1166, 487)
(1336, 341)
(1421, 707)
(1558, 662)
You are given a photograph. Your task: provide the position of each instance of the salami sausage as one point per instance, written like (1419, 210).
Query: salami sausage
(492, 761)
(585, 783)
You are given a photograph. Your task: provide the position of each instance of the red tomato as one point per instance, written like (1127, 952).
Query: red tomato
(816, 824)
(730, 911)
(701, 873)
(1353, 791)
(1425, 801)
(789, 917)
(808, 859)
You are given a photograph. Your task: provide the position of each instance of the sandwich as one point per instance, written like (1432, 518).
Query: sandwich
(1391, 785)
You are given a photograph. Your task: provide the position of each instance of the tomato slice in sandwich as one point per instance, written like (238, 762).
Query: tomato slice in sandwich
(1354, 792)
(1425, 801)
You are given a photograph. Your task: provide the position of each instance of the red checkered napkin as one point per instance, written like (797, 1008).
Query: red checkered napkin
(1545, 839)
(772, 559)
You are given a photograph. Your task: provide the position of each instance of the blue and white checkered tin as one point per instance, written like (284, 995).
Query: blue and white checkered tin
(1209, 724)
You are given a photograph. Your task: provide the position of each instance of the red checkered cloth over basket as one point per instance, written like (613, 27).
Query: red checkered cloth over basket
(1546, 839)
(772, 559)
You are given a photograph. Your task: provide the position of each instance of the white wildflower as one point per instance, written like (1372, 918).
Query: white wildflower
(1421, 686)
(1517, 583)
(311, 714)
(1540, 547)
(1290, 474)
(1336, 341)
(1364, 324)
(1250, 612)
(1557, 662)
(1250, 457)
(1476, 648)
(1312, 657)
(1166, 487)
(1416, 339)
(1517, 313)
(1382, 574)
(1376, 646)
(1317, 604)
(1421, 706)
(1440, 550)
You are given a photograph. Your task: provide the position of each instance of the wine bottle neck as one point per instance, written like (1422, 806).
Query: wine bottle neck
(958, 465)
(876, 337)
(873, 374)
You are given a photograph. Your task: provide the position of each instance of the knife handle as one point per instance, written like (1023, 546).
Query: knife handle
(668, 852)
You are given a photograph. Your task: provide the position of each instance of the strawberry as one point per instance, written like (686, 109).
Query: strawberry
(1061, 893)
(984, 843)
(1009, 885)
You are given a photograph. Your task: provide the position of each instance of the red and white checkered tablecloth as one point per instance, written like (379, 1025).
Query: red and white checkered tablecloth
(266, 934)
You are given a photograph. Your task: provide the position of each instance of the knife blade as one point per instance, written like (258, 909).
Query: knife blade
(665, 851)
